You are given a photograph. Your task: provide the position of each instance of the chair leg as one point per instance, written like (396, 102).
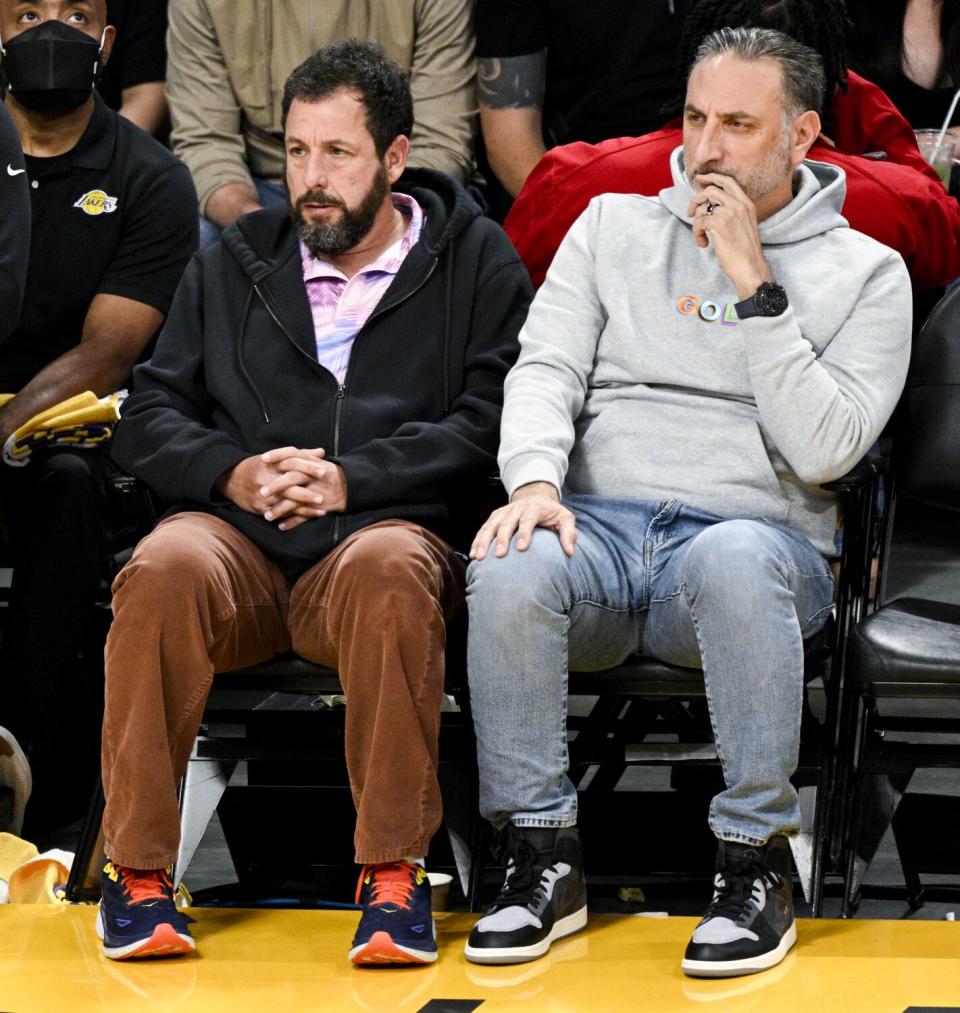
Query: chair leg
(203, 787)
(824, 804)
(478, 866)
(851, 893)
(458, 788)
(89, 850)
(911, 877)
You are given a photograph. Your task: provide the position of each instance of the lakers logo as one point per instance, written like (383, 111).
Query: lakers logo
(96, 202)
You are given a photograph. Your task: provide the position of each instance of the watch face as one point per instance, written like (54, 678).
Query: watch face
(771, 300)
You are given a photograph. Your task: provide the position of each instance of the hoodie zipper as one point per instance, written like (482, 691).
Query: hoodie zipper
(337, 412)
(342, 387)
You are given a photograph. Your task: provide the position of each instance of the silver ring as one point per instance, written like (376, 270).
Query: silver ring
(711, 207)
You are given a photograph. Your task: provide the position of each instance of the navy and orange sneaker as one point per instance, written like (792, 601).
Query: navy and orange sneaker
(396, 926)
(138, 916)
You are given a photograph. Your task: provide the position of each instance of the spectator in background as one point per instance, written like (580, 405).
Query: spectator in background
(133, 80)
(113, 225)
(894, 197)
(555, 71)
(14, 224)
(228, 62)
(14, 255)
(911, 49)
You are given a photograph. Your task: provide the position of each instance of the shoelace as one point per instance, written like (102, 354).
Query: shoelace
(738, 886)
(145, 884)
(523, 885)
(392, 883)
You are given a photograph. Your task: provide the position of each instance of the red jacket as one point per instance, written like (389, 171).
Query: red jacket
(898, 201)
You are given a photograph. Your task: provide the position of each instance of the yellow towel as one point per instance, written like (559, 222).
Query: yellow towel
(13, 853)
(83, 420)
(42, 880)
(27, 877)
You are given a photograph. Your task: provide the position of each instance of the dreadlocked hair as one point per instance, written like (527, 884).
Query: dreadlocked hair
(820, 24)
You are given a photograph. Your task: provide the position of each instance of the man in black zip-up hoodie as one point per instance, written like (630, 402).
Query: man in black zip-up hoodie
(319, 414)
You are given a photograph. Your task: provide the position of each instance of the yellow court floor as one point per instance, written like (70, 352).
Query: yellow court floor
(287, 961)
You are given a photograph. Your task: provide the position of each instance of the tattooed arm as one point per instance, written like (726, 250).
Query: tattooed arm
(511, 114)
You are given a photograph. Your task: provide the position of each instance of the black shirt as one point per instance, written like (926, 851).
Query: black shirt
(921, 107)
(611, 65)
(115, 215)
(139, 52)
(14, 224)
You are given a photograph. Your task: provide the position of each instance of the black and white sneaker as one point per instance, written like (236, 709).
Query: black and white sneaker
(749, 925)
(543, 897)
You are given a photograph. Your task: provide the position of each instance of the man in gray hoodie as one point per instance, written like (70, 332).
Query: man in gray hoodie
(693, 369)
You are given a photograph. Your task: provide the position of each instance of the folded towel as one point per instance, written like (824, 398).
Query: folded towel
(82, 421)
(30, 878)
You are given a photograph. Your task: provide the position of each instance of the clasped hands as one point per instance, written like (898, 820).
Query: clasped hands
(288, 484)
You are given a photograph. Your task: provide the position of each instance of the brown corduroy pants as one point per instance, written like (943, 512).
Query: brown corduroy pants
(198, 597)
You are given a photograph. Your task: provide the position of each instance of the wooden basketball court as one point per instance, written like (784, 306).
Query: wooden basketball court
(286, 961)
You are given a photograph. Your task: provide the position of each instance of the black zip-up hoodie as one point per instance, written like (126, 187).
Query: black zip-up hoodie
(415, 424)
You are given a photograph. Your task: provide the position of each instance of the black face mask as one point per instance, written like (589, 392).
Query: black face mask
(51, 68)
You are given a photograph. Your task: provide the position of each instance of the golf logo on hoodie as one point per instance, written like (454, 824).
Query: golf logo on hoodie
(708, 310)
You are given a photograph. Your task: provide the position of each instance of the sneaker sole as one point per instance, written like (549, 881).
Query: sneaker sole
(380, 949)
(165, 942)
(520, 954)
(748, 965)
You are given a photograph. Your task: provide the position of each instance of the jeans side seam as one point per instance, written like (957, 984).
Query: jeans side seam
(565, 747)
(706, 689)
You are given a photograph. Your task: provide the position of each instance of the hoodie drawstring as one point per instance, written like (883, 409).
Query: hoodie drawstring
(447, 325)
(243, 364)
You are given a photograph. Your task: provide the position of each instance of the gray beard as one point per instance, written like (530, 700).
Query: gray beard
(757, 182)
(354, 224)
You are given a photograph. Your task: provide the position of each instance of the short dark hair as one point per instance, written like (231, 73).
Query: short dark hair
(360, 67)
(800, 66)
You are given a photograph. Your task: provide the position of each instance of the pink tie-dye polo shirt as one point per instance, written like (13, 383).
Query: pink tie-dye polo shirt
(341, 305)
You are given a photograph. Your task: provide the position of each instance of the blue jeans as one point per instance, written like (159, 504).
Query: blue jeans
(270, 193)
(735, 597)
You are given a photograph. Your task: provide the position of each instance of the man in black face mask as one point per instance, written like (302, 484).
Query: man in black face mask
(112, 229)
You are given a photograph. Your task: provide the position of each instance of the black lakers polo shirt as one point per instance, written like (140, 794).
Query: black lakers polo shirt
(115, 215)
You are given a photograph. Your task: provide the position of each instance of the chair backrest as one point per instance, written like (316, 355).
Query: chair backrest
(928, 435)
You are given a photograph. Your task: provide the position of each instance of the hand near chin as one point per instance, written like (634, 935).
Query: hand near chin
(724, 215)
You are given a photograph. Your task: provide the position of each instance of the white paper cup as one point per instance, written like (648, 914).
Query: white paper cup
(439, 888)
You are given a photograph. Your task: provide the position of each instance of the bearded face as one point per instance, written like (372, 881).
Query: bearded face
(327, 226)
(765, 174)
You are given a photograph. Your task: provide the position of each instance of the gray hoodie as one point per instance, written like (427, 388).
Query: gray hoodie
(635, 378)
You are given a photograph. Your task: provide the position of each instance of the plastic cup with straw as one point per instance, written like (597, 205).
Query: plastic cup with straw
(933, 147)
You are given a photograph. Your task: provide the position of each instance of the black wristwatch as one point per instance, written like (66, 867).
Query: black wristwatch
(770, 300)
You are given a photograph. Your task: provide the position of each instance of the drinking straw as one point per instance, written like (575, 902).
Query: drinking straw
(946, 123)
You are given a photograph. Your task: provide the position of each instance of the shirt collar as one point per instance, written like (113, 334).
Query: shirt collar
(388, 262)
(94, 150)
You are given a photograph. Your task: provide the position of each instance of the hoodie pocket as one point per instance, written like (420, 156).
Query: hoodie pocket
(667, 444)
